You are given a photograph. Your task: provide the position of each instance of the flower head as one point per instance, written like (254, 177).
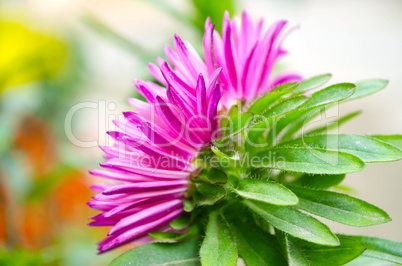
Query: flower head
(151, 160)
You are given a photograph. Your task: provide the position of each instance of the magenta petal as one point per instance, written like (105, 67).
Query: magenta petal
(216, 95)
(153, 212)
(136, 232)
(230, 61)
(201, 96)
(144, 186)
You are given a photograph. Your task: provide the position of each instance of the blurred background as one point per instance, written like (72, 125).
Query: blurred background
(66, 69)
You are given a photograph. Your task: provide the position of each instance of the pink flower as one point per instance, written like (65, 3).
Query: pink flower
(151, 160)
(245, 52)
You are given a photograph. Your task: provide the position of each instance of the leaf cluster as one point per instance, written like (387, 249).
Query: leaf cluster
(274, 180)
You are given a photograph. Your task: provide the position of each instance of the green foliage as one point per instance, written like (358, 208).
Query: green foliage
(257, 204)
(299, 252)
(366, 148)
(381, 249)
(184, 253)
(266, 191)
(219, 245)
(294, 222)
(339, 207)
(319, 181)
(331, 94)
(309, 160)
(367, 87)
(394, 140)
(255, 246)
(313, 83)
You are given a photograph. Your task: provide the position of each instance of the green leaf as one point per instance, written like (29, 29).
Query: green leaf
(368, 149)
(286, 87)
(331, 94)
(285, 106)
(319, 181)
(237, 124)
(262, 103)
(294, 255)
(209, 194)
(219, 246)
(174, 237)
(367, 87)
(293, 222)
(313, 83)
(381, 249)
(300, 252)
(333, 125)
(266, 191)
(339, 207)
(394, 140)
(183, 253)
(254, 244)
(309, 160)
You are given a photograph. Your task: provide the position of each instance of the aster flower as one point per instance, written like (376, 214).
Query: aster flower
(152, 159)
(245, 52)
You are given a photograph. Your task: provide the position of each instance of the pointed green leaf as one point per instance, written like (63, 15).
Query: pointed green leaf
(219, 246)
(339, 207)
(266, 191)
(254, 244)
(286, 87)
(300, 252)
(293, 222)
(313, 83)
(368, 149)
(394, 140)
(331, 94)
(293, 253)
(319, 181)
(381, 249)
(367, 87)
(309, 160)
(183, 253)
(285, 106)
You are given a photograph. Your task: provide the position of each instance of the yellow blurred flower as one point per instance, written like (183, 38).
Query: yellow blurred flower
(26, 55)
